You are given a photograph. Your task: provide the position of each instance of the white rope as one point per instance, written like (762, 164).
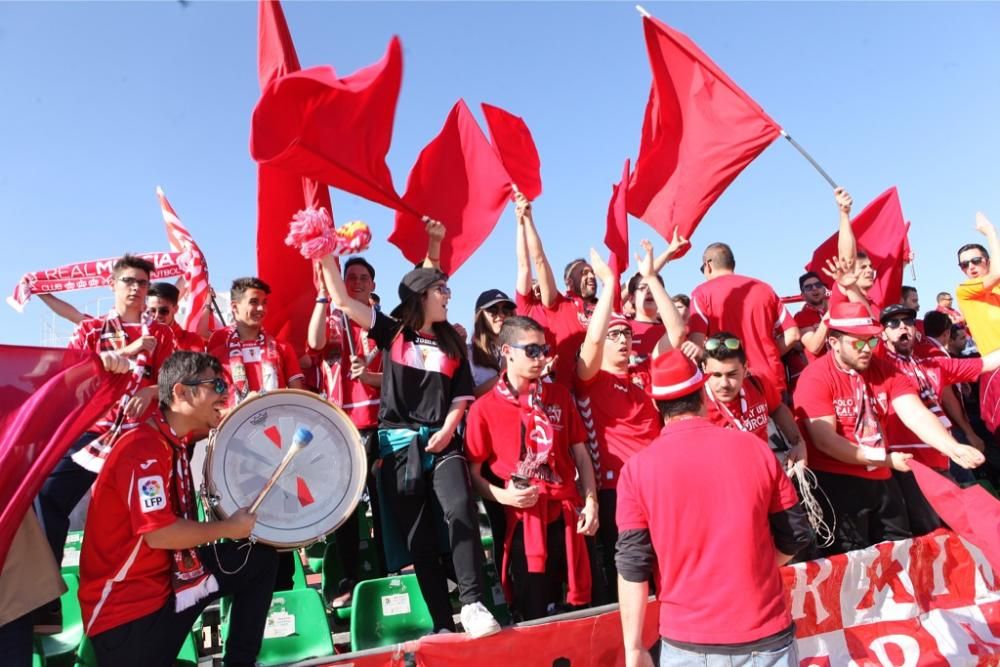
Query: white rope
(807, 483)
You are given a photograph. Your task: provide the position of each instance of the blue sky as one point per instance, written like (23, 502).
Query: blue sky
(102, 102)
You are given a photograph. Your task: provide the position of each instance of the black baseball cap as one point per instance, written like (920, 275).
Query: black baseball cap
(491, 297)
(894, 310)
(416, 282)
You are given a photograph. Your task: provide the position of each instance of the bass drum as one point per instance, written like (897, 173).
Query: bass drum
(318, 490)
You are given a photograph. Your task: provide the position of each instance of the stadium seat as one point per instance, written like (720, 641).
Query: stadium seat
(388, 611)
(315, 553)
(61, 648)
(296, 629)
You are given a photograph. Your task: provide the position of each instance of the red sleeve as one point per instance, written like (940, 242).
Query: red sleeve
(698, 320)
(142, 478)
(524, 302)
(629, 512)
(896, 382)
(557, 304)
(290, 362)
(837, 296)
(575, 430)
(813, 396)
(166, 345)
(784, 495)
(785, 320)
(954, 371)
(78, 341)
(478, 446)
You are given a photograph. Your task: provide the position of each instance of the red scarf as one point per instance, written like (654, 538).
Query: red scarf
(736, 422)
(927, 393)
(867, 416)
(554, 497)
(190, 580)
(270, 360)
(584, 309)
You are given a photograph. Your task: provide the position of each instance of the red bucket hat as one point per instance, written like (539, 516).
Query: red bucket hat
(674, 375)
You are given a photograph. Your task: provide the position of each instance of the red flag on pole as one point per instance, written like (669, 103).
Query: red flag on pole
(880, 231)
(334, 130)
(197, 288)
(48, 398)
(514, 144)
(459, 180)
(699, 132)
(616, 234)
(280, 195)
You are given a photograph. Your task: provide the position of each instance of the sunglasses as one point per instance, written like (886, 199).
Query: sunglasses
(617, 334)
(499, 309)
(713, 344)
(218, 384)
(860, 345)
(895, 323)
(443, 290)
(812, 286)
(162, 311)
(533, 350)
(974, 260)
(129, 281)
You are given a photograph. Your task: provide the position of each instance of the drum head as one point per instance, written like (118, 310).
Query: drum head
(317, 491)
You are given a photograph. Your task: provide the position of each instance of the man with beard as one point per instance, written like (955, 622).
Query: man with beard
(932, 375)
(844, 401)
(161, 305)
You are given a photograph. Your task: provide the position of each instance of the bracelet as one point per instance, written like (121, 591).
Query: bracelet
(434, 259)
(322, 299)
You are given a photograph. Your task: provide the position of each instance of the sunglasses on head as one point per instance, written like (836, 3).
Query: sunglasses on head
(713, 344)
(129, 281)
(533, 350)
(972, 260)
(218, 384)
(860, 345)
(896, 322)
(162, 311)
(616, 334)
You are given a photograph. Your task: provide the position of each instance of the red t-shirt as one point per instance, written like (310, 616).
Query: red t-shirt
(493, 431)
(188, 340)
(749, 412)
(620, 418)
(529, 306)
(808, 319)
(750, 309)
(121, 577)
(939, 371)
(97, 335)
(645, 336)
(359, 400)
(825, 390)
(568, 327)
(708, 524)
(254, 355)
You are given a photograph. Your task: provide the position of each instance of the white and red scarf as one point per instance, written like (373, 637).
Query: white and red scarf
(927, 393)
(726, 412)
(536, 431)
(270, 361)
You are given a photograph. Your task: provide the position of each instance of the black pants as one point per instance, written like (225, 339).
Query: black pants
(156, 639)
(16, 645)
(866, 511)
(535, 591)
(65, 486)
(348, 539)
(602, 558)
(449, 483)
(923, 519)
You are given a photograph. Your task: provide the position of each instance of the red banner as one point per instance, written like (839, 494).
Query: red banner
(84, 275)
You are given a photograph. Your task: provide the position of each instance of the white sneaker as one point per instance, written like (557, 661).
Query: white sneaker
(478, 621)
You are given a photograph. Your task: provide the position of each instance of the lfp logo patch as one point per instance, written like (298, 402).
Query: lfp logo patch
(151, 495)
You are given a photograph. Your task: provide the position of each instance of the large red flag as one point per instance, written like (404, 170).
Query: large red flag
(880, 231)
(197, 288)
(616, 234)
(280, 195)
(700, 131)
(334, 130)
(459, 180)
(48, 398)
(514, 144)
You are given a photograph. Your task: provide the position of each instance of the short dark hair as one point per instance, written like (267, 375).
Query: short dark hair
(684, 405)
(362, 262)
(633, 282)
(165, 291)
(723, 353)
(957, 329)
(906, 290)
(973, 246)
(128, 261)
(375, 297)
(513, 326)
(182, 366)
(861, 254)
(936, 323)
(241, 285)
(806, 276)
(569, 267)
(722, 255)
(942, 295)
(683, 298)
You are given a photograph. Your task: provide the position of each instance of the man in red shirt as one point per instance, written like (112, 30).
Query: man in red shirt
(844, 400)
(143, 578)
(161, 305)
(531, 437)
(944, 305)
(745, 306)
(737, 399)
(686, 523)
(933, 374)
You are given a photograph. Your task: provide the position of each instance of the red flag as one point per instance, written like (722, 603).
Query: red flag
(48, 398)
(280, 195)
(700, 131)
(971, 512)
(334, 130)
(881, 232)
(616, 235)
(197, 288)
(459, 180)
(513, 143)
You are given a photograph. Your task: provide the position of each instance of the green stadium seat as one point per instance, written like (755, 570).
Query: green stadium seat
(299, 575)
(296, 629)
(37, 657)
(388, 611)
(61, 648)
(315, 554)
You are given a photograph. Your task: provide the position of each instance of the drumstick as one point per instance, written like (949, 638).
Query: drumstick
(302, 437)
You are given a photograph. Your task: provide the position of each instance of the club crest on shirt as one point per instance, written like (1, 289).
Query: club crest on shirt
(151, 493)
(554, 413)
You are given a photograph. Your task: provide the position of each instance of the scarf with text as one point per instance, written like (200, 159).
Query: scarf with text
(270, 360)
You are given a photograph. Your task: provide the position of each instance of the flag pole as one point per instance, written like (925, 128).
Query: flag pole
(642, 10)
(813, 162)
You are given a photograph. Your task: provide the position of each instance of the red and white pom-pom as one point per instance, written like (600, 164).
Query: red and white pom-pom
(311, 231)
(353, 237)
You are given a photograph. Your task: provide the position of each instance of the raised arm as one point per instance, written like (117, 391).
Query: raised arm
(673, 323)
(847, 247)
(592, 349)
(523, 284)
(63, 309)
(986, 228)
(357, 311)
(316, 335)
(435, 234)
(546, 279)
(677, 243)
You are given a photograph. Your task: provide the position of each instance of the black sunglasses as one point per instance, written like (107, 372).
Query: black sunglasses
(497, 309)
(895, 322)
(533, 350)
(162, 311)
(811, 286)
(973, 260)
(218, 384)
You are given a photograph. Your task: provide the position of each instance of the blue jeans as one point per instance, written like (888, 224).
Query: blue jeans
(671, 656)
